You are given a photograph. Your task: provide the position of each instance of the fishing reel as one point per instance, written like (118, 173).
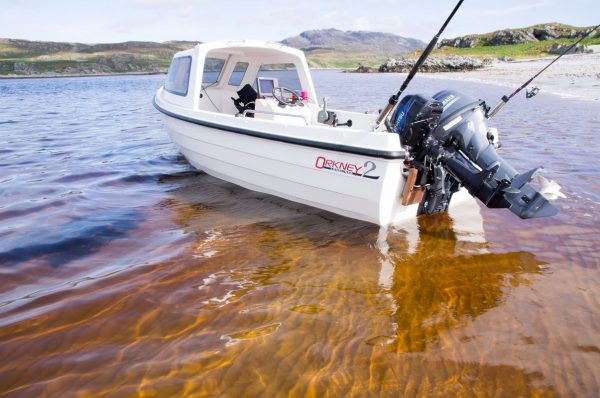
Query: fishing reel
(448, 140)
(532, 93)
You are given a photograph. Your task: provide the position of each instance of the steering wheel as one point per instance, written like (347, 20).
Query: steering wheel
(279, 95)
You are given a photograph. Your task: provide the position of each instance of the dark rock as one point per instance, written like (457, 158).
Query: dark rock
(24, 68)
(364, 69)
(546, 33)
(503, 37)
(460, 42)
(562, 48)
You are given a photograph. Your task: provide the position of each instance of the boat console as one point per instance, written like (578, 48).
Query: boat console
(271, 109)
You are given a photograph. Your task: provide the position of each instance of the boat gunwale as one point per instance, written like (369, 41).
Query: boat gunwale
(289, 140)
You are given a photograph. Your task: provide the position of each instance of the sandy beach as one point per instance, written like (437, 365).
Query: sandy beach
(575, 75)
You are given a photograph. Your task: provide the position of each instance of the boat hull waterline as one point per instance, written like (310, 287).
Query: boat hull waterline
(352, 185)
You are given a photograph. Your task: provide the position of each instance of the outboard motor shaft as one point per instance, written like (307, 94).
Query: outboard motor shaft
(450, 144)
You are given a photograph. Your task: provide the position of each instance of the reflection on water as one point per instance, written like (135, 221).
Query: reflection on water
(124, 272)
(434, 292)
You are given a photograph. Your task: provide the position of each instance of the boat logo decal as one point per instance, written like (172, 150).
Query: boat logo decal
(365, 170)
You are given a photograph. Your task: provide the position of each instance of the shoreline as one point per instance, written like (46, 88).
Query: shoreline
(573, 76)
(69, 75)
(53, 76)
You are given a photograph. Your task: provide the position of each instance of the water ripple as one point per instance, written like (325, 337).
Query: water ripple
(125, 272)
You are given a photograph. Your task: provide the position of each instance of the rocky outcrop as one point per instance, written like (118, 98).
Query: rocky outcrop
(504, 37)
(451, 63)
(534, 33)
(562, 48)
(460, 42)
(547, 33)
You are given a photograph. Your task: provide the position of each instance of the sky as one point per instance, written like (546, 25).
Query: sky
(110, 21)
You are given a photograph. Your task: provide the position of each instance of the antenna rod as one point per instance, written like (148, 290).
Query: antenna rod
(394, 98)
(505, 98)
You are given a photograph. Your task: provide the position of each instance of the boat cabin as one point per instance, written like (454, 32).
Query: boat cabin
(251, 79)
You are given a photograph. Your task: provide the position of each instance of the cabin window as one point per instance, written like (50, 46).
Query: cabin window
(286, 75)
(178, 77)
(237, 76)
(212, 70)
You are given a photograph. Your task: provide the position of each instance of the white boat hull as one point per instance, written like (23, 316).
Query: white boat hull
(351, 185)
(225, 110)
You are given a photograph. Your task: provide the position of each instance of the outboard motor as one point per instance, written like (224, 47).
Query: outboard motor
(450, 145)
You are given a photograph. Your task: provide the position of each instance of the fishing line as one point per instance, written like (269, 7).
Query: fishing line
(505, 98)
(394, 98)
(206, 92)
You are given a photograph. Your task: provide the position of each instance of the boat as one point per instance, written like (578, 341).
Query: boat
(247, 112)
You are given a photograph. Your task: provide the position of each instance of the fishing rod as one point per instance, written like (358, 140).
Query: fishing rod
(505, 98)
(394, 98)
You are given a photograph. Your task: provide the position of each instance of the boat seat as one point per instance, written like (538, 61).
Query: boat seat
(247, 98)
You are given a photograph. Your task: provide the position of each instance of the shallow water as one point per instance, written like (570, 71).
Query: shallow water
(124, 272)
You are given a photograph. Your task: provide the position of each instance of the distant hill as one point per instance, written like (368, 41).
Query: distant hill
(26, 48)
(336, 48)
(324, 48)
(31, 58)
(353, 41)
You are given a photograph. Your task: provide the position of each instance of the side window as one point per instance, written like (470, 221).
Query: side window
(178, 77)
(212, 70)
(237, 76)
(286, 75)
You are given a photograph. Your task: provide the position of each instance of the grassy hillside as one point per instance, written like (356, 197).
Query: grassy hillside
(531, 41)
(522, 50)
(22, 57)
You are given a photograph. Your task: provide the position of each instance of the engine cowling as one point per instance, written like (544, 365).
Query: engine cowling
(448, 139)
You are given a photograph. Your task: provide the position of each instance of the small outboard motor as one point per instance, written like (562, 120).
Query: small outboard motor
(450, 145)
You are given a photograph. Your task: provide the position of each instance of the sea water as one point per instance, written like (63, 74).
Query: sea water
(126, 272)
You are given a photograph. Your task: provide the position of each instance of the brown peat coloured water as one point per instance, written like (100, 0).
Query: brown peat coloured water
(124, 272)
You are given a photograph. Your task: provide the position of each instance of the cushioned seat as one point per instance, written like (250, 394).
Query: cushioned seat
(247, 97)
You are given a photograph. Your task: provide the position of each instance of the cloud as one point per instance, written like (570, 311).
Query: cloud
(491, 12)
(159, 20)
(165, 3)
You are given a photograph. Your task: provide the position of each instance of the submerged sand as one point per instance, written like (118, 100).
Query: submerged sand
(575, 75)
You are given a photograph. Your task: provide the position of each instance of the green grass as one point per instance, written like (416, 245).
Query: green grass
(334, 59)
(49, 62)
(523, 50)
(343, 60)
